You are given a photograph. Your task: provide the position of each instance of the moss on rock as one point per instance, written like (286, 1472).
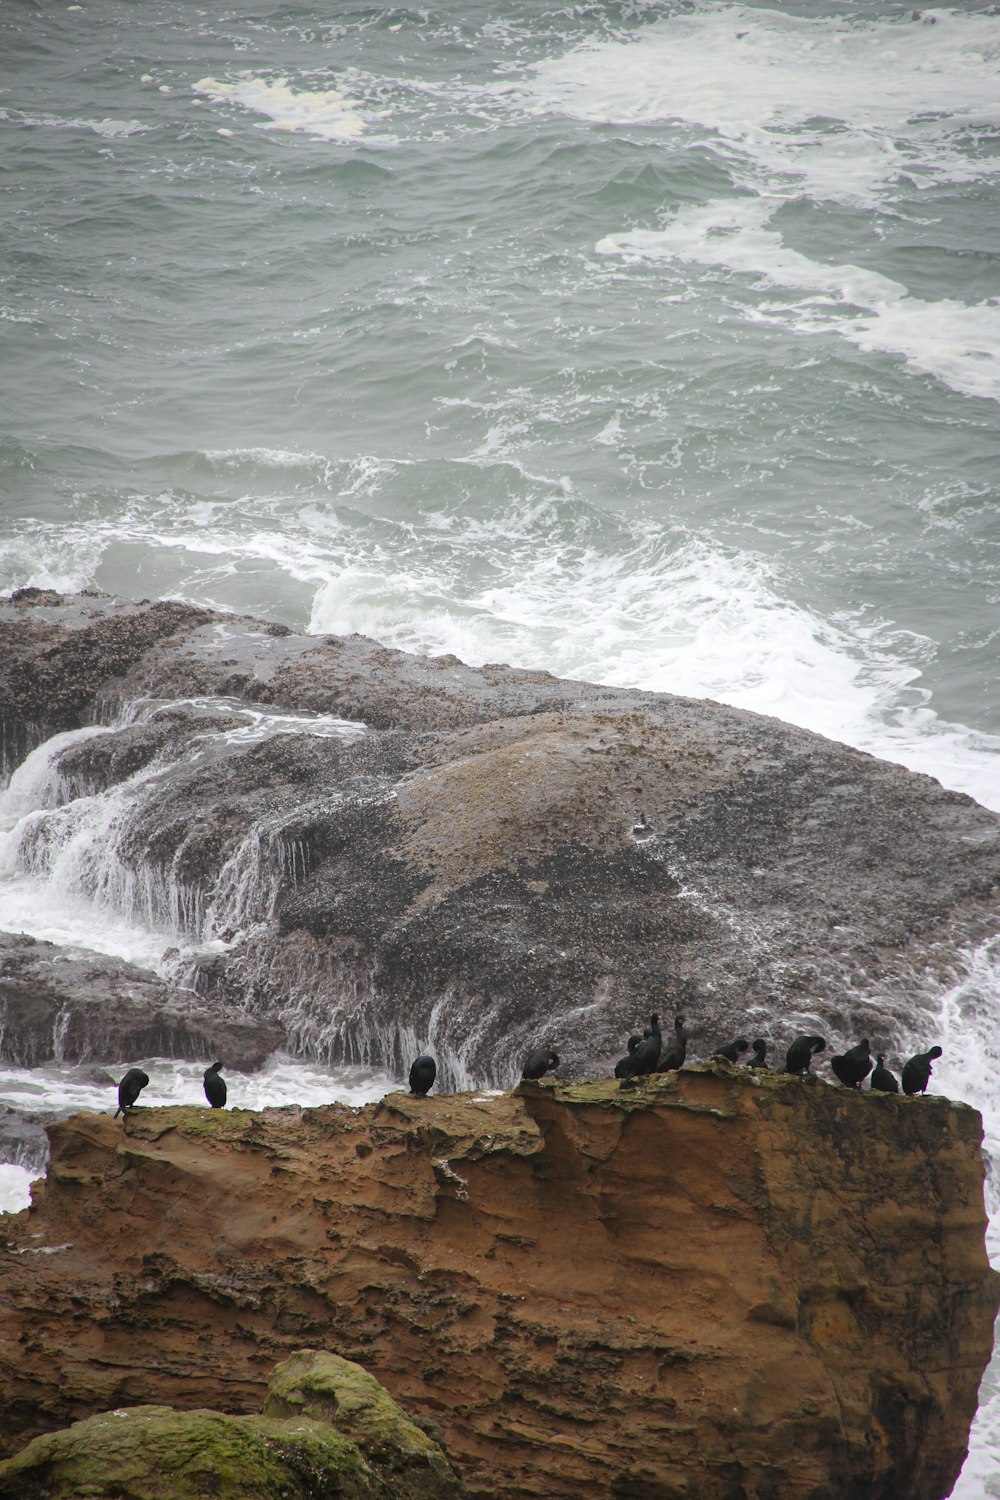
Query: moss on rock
(327, 1388)
(330, 1430)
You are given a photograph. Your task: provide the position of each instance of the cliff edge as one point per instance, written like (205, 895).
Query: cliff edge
(709, 1286)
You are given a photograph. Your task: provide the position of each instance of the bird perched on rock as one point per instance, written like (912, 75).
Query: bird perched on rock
(853, 1065)
(758, 1060)
(882, 1080)
(623, 1067)
(917, 1072)
(800, 1054)
(731, 1051)
(539, 1060)
(215, 1087)
(675, 1051)
(129, 1089)
(423, 1071)
(643, 1057)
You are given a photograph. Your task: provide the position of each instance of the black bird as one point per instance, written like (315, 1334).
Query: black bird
(800, 1054)
(538, 1061)
(644, 1056)
(675, 1051)
(215, 1087)
(623, 1067)
(853, 1065)
(917, 1071)
(759, 1050)
(882, 1080)
(129, 1089)
(731, 1051)
(423, 1071)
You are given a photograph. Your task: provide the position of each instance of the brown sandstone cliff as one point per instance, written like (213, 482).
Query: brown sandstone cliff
(707, 1287)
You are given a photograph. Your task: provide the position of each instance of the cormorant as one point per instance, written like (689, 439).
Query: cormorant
(800, 1054)
(731, 1051)
(623, 1067)
(917, 1071)
(129, 1089)
(215, 1087)
(675, 1051)
(539, 1061)
(882, 1079)
(758, 1060)
(853, 1065)
(642, 1058)
(423, 1072)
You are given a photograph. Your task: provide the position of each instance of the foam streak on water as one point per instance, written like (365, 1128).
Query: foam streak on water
(324, 113)
(843, 111)
(958, 344)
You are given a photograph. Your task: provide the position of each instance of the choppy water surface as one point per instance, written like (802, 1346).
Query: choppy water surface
(654, 343)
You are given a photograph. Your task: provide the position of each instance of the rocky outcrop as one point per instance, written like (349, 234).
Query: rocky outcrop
(710, 1285)
(53, 681)
(75, 1006)
(328, 1429)
(502, 859)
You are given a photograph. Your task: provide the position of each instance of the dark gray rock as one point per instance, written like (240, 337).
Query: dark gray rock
(507, 859)
(72, 1005)
(23, 1140)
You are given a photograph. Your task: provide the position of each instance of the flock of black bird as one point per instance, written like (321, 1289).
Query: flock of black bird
(135, 1080)
(648, 1053)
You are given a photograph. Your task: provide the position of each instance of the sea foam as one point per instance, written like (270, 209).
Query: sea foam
(325, 113)
(968, 1070)
(845, 109)
(957, 343)
(686, 618)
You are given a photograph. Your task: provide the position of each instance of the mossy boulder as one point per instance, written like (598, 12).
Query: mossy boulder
(326, 1388)
(156, 1453)
(330, 1430)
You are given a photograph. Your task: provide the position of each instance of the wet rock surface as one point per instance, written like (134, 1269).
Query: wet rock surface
(75, 1006)
(52, 683)
(22, 1135)
(708, 1285)
(502, 859)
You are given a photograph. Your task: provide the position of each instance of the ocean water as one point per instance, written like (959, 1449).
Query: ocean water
(652, 343)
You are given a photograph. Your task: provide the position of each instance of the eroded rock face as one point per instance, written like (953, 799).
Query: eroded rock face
(709, 1286)
(503, 859)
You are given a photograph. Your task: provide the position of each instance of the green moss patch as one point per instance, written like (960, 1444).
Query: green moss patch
(330, 1430)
